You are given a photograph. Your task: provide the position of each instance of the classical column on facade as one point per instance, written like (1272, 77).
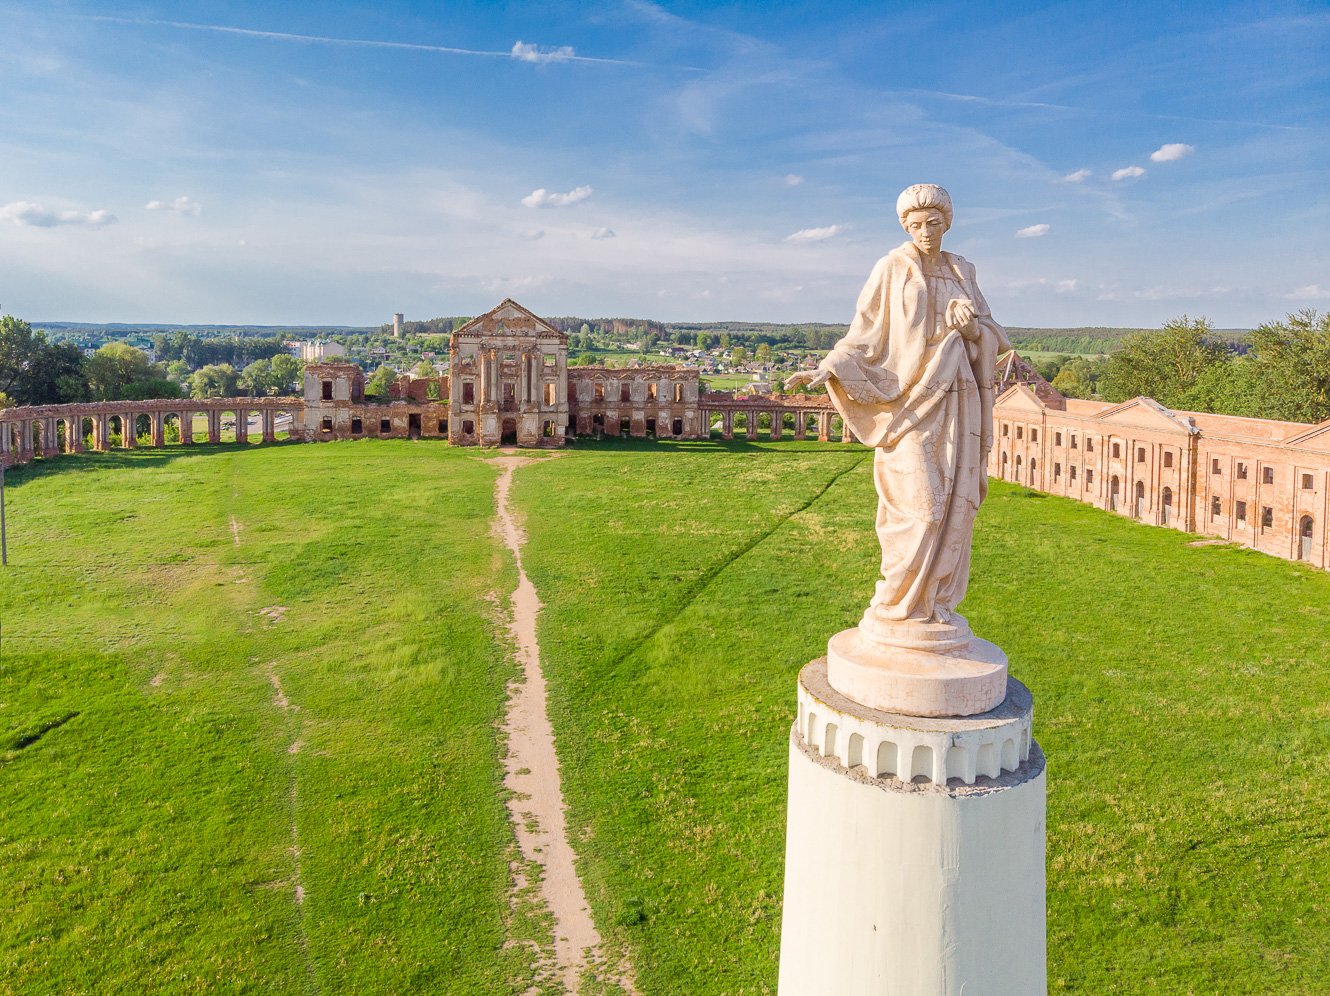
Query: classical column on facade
(5, 440)
(824, 427)
(186, 418)
(214, 426)
(269, 425)
(50, 437)
(101, 431)
(750, 424)
(800, 425)
(777, 424)
(129, 423)
(158, 429)
(846, 433)
(727, 425)
(242, 425)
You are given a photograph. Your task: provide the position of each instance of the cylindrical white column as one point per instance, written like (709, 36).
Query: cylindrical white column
(914, 856)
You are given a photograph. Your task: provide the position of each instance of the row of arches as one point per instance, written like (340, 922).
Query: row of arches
(912, 762)
(74, 430)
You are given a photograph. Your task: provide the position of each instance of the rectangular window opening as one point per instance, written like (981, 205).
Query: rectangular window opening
(327, 390)
(1241, 472)
(1307, 483)
(1268, 475)
(385, 426)
(1240, 511)
(599, 393)
(356, 427)
(468, 392)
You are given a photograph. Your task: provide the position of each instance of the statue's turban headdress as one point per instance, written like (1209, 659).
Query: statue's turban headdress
(924, 195)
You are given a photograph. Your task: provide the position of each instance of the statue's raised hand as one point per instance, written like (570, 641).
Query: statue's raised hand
(807, 378)
(961, 316)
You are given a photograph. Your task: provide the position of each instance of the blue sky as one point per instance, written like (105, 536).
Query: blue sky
(306, 163)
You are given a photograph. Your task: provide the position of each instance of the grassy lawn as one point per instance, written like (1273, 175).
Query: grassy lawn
(1181, 696)
(150, 780)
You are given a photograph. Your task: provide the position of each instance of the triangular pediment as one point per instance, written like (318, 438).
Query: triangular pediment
(1315, 438)
(1019, 398)
(1145, 413)
(510, 318)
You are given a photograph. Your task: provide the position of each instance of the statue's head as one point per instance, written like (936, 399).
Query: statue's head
(925, 213)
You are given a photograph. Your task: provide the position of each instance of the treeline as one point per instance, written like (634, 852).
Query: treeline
(1102, 339)
(34, 370)
(1283, 373)
(197, 351)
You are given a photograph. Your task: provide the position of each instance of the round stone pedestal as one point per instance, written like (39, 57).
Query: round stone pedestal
(970, 677)
(914, 855)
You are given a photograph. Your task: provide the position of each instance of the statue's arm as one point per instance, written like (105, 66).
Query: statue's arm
(865, 338)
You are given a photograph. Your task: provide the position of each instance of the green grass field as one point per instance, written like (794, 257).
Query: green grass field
(148, 787)
(146, 840)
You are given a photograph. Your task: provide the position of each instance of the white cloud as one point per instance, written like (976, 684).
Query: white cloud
(37, 216)
(181, 205)
(793, 179)
(533, 234)
(1128, 173)
(540, 197)
(1312, 292)
(1171, 152)
(816, 234)
(603, 233)
(1067, 286)
(1033, 231)
(531, 53)
(1077, 177)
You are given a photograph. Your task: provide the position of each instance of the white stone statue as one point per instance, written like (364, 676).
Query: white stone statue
(913, 378)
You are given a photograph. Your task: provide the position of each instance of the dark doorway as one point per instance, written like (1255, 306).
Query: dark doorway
(1140, 499)
(651, 427)
(413, 426)
(677, 428)
(1305, 528)
(1113, 489)
(509, 435)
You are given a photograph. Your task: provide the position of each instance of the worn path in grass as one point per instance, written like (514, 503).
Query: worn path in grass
(249, 725)
(531, 768)
(1180, 693)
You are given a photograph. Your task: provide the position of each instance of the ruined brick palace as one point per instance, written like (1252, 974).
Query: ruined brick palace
(1252, 481)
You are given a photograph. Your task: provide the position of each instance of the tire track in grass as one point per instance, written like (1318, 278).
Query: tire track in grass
(273, 615)
(535, 805)
(699, 587)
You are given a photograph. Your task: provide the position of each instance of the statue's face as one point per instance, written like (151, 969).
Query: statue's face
(925, 226)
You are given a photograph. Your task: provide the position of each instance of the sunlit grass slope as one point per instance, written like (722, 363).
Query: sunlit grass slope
(1182, 695)
(150, 778)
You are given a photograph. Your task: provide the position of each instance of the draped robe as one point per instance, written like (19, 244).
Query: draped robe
(922, 396)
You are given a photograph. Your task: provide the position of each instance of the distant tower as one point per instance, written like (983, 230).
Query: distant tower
(397, 325)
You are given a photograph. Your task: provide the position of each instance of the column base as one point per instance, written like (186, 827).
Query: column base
(915, 850)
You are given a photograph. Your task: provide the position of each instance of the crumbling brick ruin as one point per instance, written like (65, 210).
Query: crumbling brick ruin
(1256, 482)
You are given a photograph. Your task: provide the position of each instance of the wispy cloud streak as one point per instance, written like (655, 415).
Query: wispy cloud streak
(520, 52)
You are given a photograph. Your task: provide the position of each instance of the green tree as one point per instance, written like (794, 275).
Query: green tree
(1163, 365)
(380, 381)
(34, 371)
(257, 378)
(1291, 368)
(286, 373)
(738, 355)
(216, 380)
(724, 341)
(763, 353)
(117, 365)
(424, 369)
(703, 341)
